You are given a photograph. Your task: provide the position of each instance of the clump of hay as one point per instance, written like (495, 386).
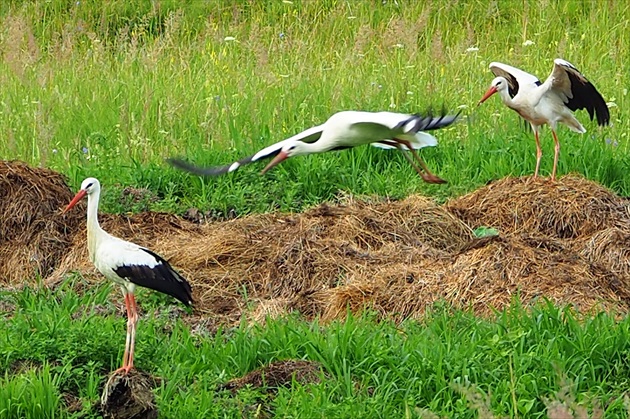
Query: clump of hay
(34, 235)
(610, 248)
(487, 277)
(286, 262)
(129, 395)
(413, 221)
(569, 208)
(533, 267)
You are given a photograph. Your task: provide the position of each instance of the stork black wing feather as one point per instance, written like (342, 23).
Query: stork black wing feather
(512, 85)
(430, 122)
(586, 96)
(216, 170)
(161, 277)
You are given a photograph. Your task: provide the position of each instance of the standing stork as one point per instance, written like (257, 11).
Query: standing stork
(348, 129)
(128, 265)
(551, 102)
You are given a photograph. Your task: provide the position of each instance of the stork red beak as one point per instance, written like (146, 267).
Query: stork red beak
(492, 90)
(79, 196)
(282, 156)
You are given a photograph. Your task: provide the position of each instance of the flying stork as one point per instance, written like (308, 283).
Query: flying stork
(348, 129)
(551, 102)
(128, 265)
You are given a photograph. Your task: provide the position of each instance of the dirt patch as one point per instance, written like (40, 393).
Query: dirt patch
(278, 374)
(565, 241)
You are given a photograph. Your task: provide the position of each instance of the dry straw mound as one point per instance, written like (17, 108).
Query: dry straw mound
(289, 262)
(485, 276)
(566, 241)
(567, 209)
(33, 233)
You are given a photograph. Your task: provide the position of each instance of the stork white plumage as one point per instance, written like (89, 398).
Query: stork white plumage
(551, 102)
(348, 129)
(128, 265)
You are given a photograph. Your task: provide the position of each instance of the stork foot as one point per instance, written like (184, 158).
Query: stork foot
(123, 370)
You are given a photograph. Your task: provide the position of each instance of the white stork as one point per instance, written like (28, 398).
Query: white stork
(128, 265)
(343, 130)
(551, 102)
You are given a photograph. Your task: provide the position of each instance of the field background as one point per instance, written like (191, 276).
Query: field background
(111, 90)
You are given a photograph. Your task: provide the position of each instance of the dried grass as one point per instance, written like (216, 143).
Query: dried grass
(565, 241)
(570, 208)
(609, 248)
(34, 234)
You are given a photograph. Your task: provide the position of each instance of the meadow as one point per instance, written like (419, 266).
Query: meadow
(111, 90)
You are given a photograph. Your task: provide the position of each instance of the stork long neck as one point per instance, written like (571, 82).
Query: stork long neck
(506, 99)
(94, 230)
(318, 146)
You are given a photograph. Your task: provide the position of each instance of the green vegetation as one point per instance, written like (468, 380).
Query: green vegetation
(57, 343)
(112, 89)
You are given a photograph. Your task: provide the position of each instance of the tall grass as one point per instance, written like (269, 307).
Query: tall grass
(111, 90)
(59, 346)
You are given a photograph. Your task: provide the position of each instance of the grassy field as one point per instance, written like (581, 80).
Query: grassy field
(59, 346)
(111, 90)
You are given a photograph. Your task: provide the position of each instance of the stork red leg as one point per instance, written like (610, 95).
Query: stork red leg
(134, 321)
(538, 152)
(430, 177)
(128, 339)
(556, 155)
(409, 159)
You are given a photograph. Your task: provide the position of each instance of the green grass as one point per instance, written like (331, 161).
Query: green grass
(57, 343)
(111, 90)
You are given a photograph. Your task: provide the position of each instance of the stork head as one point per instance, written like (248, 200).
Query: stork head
(295, 148)
(498, 84)
(88, 186)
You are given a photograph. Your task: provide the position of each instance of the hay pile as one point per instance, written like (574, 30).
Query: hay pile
(33, 233)
(568, 209)
(566, 241)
